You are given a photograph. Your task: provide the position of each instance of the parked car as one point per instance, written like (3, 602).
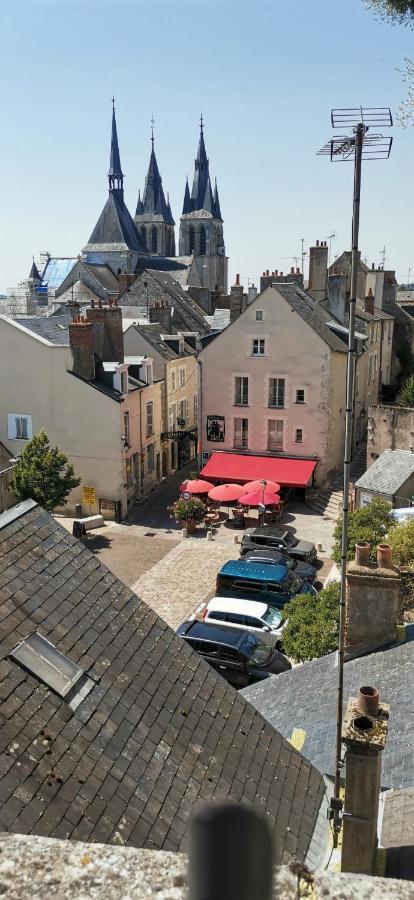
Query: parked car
(270, 538)
(248, 615)
(304, 570)
(274, 585)
(241, 657)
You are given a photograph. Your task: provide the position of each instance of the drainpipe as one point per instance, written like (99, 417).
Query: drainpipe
(200, 413)
(141, 461)
(364, 733)
(380, 363)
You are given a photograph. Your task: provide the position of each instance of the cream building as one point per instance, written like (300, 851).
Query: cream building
(174, 360)
(104, 412)
(272, 384)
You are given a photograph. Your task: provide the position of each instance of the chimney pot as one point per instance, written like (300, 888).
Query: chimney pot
(384, 556)
(277, 272)
(267, 272)
(317, 243)
(362, 551)
(298, 271)
(237, 282)
(292, 270)
(368, 700)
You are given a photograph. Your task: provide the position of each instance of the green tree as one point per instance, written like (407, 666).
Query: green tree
(397, 12)
(370, 523)
(401, 539)
(43, 474)
(406, 395)
(312, 626)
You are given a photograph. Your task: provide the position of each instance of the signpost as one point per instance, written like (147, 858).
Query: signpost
(89, 497)
(186, 495)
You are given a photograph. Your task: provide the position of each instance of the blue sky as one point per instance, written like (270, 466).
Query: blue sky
(264, 74)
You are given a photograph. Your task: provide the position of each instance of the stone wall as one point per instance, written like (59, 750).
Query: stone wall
(389, 428)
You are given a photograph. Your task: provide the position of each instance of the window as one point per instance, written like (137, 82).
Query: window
(126, 428)
(241, 433)
(154, 239)
(191, 236)
(203, 241)
(150, 458)
(258, 348)
(144, 235)
(277, 392)
(43, 660)
(173, 380)
(275, 434)
(259, 315)
(298, 436)
(300, 395)
(19, 427)
(124, 382)
(172, 421)
(150, 419)
(241, 391)
(187, 411)
(182, 377)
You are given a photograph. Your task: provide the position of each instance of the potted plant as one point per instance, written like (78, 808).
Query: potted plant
(188, 513)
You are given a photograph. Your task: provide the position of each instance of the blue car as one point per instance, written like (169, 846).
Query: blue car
(274, 585)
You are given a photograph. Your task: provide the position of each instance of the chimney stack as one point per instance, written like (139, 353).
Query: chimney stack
(114, 334)
(369, 302)
(318, 271)
(337, 295)
(373, 592)
(163, 315)
(81, 340)
(364, 733)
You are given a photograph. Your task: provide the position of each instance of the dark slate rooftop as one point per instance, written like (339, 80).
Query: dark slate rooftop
(187, 316)
(159, 729)
(116, 226)
(388, 473)
(53, 328)
(312, 313)
(178, 267)
(305, 698)
(153, 334)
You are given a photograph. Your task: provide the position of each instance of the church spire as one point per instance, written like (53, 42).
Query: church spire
(153, 199)
(115, 176)
(187, 207)
(217, 210)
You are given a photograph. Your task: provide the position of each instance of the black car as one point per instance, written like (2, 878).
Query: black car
(241, 657)
(304, 570)
(270, 538)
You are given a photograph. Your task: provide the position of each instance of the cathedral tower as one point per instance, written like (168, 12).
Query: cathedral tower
(201, 227)
(153, 216)
(115, 241)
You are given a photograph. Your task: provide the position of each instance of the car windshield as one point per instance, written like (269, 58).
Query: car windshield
(272, 616)
(258, 651)
(295, 583)
(289, 540)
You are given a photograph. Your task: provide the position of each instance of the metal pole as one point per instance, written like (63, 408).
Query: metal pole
(359, 139)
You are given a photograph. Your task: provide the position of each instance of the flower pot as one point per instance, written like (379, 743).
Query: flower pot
(362, 551)
(384, 556)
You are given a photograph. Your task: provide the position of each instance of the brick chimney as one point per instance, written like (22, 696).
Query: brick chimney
(364, 733)
(369, 302)
(81, 339)
(373, 592)
(96, 316)
(114, 335)
(318, 270)
(161, 313)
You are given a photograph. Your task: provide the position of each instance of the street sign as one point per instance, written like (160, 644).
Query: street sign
(186, 495)
(89, 495)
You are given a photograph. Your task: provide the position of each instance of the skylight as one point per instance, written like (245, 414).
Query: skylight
(43, 660)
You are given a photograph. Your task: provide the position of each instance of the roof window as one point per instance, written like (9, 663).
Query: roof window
(43, 660)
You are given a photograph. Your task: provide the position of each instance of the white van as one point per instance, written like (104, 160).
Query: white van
(249, 615)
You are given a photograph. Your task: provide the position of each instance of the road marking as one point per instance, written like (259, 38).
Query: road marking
(297, 738)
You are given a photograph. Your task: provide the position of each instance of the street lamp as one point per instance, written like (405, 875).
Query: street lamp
(360, 145)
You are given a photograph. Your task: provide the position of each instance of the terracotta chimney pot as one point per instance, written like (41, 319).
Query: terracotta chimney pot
(384, 556)
(362, 551)
(368, 700)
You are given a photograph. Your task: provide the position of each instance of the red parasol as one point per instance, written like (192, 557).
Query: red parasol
(225, 493)
(255, 498)
(271, 487)
(196, 486)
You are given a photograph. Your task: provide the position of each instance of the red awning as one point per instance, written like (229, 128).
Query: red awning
(236, 467)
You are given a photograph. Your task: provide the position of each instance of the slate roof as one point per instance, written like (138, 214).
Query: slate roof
(53, 328)
(202, 196)
(152, 333)
(153, 202)
(98, 278)
(305, 698)
(34, 272)
(187, 315)
(388, 473)
(159, 730)
(220, 319)
(178, 267)
(311, 312)
(115, 226)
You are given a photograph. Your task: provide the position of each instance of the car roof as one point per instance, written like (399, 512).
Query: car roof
(265, 554)
(255, 571)
(237, 605)
(217, 634)
(271, 531)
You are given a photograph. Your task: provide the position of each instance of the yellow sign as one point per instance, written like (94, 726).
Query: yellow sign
(89, 495)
